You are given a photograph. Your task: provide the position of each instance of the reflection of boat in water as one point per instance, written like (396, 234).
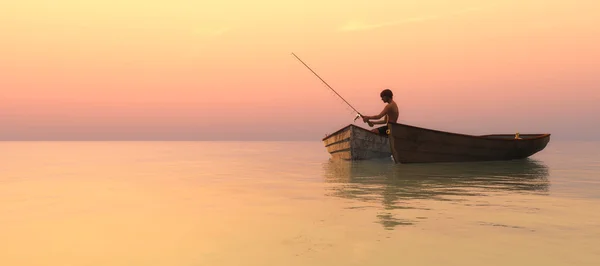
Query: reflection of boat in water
(519, 175)
(394, 185)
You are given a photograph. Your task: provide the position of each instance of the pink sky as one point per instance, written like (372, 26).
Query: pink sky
(191, 70)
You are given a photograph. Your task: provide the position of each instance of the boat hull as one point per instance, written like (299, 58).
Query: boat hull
(410, 144)
(356, 143)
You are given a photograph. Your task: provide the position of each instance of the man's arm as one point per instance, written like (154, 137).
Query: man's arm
(379, 122)
(380, 115)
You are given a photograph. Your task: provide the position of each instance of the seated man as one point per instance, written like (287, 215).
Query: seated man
(390, 111)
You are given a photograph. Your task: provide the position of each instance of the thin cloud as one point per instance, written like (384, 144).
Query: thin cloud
(467, 10)
(213, 31)
(358, 26)
(220, 31)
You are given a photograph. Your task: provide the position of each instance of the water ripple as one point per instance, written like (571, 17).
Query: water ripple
(408, 187)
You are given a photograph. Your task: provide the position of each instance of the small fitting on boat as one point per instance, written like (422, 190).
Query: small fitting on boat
(387, 131)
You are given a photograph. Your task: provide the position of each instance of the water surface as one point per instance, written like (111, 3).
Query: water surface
(286, 203)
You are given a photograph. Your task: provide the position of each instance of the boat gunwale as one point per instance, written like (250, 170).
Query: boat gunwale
(350, 126)
(482, 137)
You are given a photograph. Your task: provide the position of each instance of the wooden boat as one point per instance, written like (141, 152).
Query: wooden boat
(356, 143)
(410, 144)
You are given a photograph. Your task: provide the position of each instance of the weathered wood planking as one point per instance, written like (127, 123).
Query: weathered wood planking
(411, 144)
(356, 143)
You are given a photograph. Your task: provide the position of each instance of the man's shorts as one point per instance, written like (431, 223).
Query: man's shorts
(383, 130)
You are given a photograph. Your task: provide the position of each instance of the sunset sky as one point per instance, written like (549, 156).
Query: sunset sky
(220, 70)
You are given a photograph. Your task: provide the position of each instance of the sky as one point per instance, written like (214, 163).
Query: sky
(223, 70)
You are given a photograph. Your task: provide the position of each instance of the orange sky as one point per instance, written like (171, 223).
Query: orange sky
(180, 69)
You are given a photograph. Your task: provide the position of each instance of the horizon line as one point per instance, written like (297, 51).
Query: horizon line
(220, 140)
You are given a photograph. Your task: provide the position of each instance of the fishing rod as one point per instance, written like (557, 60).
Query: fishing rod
(358, 113)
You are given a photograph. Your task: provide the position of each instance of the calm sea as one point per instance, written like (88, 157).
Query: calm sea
(285, 203)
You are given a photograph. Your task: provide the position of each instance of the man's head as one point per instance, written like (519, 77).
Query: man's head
(386, 95)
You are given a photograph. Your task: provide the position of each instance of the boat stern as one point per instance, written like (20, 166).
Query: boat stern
(356, 143)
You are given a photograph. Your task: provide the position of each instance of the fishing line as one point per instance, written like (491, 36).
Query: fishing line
(358, 113)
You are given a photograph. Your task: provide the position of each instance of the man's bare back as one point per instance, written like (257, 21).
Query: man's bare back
(392, 113)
